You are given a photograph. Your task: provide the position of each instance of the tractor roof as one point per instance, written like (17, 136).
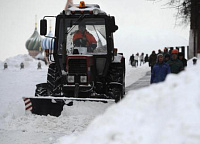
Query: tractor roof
(82, 7)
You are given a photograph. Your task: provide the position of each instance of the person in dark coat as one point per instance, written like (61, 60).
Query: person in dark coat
(175, 64)
(160, 70)
(182, 58)
(159, 51)
(136, 58)
(167, 57)
(152, 59)
(165, 52)
(132, 59)
(146, 59)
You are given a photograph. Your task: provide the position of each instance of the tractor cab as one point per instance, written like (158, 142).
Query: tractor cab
(96, 24)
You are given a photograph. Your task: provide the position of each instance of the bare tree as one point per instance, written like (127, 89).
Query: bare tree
(188, 11)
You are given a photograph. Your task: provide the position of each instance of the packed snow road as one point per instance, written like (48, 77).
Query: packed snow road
(19, 127)
(36, 129)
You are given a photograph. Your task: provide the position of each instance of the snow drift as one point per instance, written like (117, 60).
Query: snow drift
(163, 113)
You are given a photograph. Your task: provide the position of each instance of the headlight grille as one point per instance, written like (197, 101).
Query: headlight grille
(77, 66)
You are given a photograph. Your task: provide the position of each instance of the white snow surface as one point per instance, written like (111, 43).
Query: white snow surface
(162, 113)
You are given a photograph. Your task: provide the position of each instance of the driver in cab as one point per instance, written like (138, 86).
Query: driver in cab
(82, 38)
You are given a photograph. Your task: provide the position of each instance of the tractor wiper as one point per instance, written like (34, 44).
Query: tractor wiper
(77, 21)
(99, 40)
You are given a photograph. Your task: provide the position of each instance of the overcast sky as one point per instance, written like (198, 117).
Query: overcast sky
(139, 21)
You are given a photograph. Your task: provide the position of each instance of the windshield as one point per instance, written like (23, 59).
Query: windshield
(87, 36)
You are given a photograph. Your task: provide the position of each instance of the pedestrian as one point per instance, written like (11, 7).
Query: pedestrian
(165, 52)
(167, 57)
(160, 70)
(152, 59)
(5, 65)
(182, 58)
(175, 64)
(146, 59)
(194, 61)
(39, 65)
(159, 51)
(136, 59)
(141, 59)
(22, 65)
(132, 60)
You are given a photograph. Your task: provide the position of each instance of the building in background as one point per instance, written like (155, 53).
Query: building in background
(33, 44)
(48, 44)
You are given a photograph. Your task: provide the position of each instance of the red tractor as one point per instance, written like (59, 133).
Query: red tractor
(85, 66)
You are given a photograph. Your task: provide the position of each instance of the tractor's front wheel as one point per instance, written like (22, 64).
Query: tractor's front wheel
(43, 106)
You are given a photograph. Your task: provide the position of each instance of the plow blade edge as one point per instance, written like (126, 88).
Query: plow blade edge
(54, 105)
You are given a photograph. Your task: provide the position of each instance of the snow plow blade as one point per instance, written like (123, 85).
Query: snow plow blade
(54, 105)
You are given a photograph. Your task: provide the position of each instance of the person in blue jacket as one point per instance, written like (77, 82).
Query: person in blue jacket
(160, 70)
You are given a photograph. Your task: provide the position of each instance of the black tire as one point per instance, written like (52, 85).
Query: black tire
(42, 90)
(117, 74)
(53, 79)
(123, 85)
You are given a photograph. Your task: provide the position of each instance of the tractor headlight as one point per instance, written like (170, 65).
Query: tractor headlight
(70, 79)
(83, 79)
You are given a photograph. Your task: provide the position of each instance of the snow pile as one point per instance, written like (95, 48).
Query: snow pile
(16, 83)
(18, 127)
(165, 113)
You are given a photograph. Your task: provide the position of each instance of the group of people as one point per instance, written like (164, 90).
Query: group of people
(164, 63)
(135, 59)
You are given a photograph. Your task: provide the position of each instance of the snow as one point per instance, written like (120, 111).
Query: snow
(162, 113)
(18, 126)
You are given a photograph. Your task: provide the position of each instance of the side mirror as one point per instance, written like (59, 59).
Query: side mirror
(115, 28)
(43, 27)
(112, 23)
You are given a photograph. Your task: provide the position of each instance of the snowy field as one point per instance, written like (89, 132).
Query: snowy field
(165, 113)
(19, 127)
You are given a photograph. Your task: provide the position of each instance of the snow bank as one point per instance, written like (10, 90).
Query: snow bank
(14, 62)
(16, 83)
(165, 113)
(18, 127)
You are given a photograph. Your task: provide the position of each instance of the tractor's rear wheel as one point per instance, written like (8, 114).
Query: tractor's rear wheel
(116, 78)
(54, 79)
